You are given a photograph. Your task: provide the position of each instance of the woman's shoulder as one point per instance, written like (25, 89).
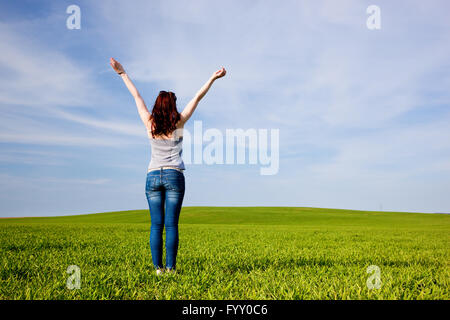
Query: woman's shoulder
(180, 124)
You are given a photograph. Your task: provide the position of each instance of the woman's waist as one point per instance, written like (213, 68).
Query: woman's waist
(162, 168)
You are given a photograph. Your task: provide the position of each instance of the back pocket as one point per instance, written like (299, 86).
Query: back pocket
(175, 182)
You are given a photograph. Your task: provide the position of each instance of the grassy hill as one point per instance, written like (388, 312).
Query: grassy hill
(257, 216)
(230, 253)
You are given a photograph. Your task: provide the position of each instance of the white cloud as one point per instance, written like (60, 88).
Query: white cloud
(41, 86)
(39, 75)
(117, 126)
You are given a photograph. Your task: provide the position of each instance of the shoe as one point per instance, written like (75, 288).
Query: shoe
(171, 271)
(159, 271)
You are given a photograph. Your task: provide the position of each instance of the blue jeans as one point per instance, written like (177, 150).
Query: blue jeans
(165, 192)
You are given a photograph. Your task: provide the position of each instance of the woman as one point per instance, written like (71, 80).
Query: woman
(165, 182)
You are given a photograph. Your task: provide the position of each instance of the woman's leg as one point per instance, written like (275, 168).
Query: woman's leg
(155, 197)
(175, 186)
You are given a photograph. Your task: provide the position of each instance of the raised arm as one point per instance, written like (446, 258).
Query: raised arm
(142, 108)
(190, 107)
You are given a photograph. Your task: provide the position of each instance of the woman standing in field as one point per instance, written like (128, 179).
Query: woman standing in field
(165, 184)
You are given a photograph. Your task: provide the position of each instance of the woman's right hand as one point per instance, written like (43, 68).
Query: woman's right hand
(116, 66)
(219, 73)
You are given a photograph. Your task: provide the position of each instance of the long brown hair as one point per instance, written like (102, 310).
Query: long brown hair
(164, 114)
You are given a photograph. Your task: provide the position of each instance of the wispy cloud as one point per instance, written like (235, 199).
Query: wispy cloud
(117, 126)
(39, 75)
(42, 86)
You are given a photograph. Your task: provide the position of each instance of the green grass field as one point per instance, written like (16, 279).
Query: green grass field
(230, 253)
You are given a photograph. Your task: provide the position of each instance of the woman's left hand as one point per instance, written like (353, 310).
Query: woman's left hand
(219, 73)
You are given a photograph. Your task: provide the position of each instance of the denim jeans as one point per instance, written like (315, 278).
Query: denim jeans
(165, 192)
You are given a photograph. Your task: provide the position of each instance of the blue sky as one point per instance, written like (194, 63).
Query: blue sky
(363, 114)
